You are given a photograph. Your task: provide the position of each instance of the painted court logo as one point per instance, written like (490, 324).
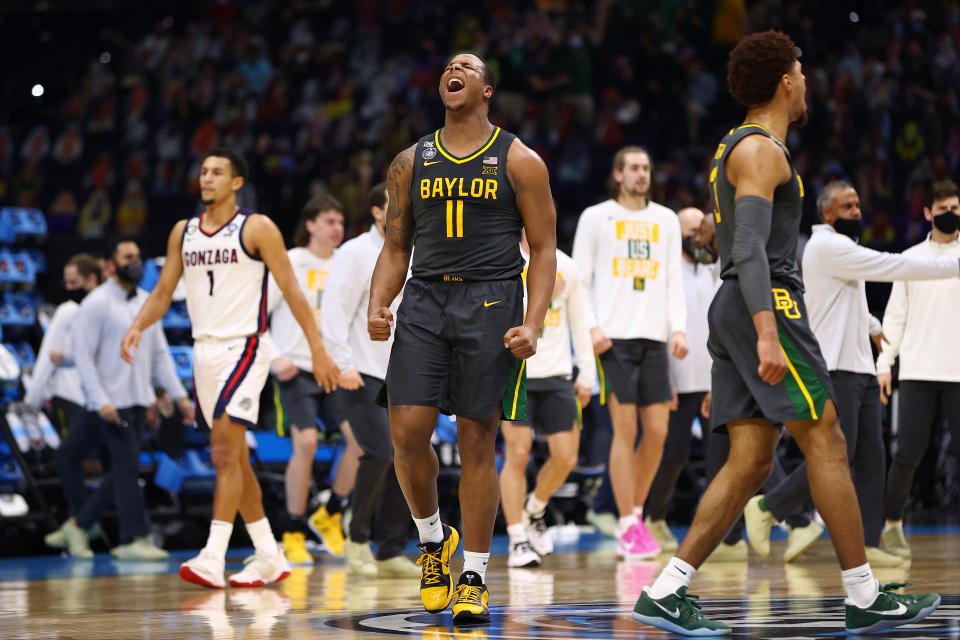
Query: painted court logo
(775, 618)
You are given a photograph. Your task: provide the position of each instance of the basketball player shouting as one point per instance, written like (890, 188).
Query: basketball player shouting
(460, 197)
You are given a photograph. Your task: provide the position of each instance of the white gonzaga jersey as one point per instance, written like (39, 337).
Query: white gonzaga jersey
(226, 286)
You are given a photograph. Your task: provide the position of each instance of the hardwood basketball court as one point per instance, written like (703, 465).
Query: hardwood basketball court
(582, 591)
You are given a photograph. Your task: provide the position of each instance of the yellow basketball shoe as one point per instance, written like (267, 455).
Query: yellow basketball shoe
(470, 606)
(436, 585)
(295, 548)
(328, 528)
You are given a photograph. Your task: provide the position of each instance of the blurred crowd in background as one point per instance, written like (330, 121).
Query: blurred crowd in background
(321, 94)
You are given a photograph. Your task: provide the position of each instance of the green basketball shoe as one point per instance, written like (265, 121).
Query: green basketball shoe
(676, 613)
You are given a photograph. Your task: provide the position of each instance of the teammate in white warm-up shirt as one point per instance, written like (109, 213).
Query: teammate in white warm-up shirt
(318, 235)
(554, 400)
(629, 255)
(920, 326)
(224, 255)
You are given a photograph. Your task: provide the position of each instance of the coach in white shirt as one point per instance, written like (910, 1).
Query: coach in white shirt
(920, 324)
(834, 269)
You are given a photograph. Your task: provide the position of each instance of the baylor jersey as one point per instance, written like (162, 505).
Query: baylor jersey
(787, 203)
(467, 226)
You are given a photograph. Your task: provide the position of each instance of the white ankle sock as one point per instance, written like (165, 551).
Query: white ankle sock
(625, 523)
(676, 574)
(517, 533)
(892, 525)
(430, 528)
(262, 536)
(476, 562)
(862, 588)
(535, 506)
(638, 514)
(219, 538)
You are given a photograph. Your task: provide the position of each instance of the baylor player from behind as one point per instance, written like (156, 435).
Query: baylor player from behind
(460, 196)
(767, 365)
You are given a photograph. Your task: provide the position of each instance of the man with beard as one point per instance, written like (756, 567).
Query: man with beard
(224, 255)
(767, 367)
(834, 269)
(628, 252)
(460, 197)
(919, 326)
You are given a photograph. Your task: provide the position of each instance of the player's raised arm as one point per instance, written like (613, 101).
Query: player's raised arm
(263, 238)
(391, 270)
(159, 299)
(531, 183)
(757, 166)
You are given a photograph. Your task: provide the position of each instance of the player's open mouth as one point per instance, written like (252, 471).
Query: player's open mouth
(454, 85)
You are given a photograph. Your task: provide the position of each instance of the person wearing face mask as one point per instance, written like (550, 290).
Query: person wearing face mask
(835, 267)
(919, 325)
(57, 380)
(689, 377)
(119, 395)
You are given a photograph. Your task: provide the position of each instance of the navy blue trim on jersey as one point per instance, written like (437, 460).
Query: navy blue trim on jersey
(246, 423)
(236, 377)
(183, 234)
(262, 315)
(220, 228)
(243, 246)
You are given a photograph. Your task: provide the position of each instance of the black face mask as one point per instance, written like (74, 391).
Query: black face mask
(131, 273)
(850, 227)
(947, 222)
(76, 294)
(688, 247)
(705, 254)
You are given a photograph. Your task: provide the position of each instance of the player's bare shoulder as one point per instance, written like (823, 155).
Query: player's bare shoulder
(523, 164)
(760, 158)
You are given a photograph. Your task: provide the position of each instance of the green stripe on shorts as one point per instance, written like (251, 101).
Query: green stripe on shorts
(282, 422)
(514, 400)
(806, 390)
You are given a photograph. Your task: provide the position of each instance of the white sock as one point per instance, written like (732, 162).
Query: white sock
(535, 506)
(219, 538)
(638, 514)
(862, 588)
(626, 522)
(262, 536)
(517, 533)
(430, 528)
(476, 562)
(676, 574)
(892, 525)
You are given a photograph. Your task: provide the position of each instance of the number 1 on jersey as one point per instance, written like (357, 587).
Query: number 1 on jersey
(210, 275)
(450, 228)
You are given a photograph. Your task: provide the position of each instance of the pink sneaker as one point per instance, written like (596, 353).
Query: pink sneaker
(637, 543)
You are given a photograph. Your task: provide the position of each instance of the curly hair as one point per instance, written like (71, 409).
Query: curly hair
(756, 65)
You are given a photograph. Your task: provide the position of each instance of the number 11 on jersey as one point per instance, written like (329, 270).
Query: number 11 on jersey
(450, 228)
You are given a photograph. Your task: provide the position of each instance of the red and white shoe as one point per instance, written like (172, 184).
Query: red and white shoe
(205, 570)
(262, 569)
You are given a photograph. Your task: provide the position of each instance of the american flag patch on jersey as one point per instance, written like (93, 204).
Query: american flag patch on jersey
(490, 160)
